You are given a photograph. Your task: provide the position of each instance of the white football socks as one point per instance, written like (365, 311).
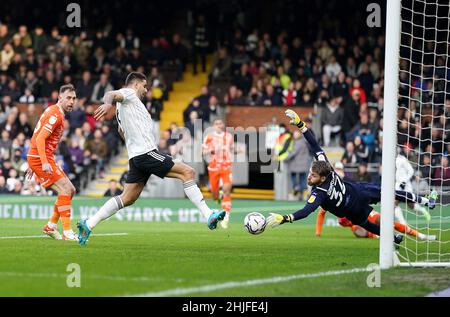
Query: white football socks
(52, 225)
(195, 195)
(112, 206)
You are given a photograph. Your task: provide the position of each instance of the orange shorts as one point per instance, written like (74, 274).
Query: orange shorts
(46, 180)
(215, 176)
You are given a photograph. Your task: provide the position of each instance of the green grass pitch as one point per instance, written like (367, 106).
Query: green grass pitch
(187, 259)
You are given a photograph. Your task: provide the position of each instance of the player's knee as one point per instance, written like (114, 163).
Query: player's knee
(188, 173)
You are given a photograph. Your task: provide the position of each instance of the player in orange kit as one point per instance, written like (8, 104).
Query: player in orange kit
(46, 136)
(220, 146)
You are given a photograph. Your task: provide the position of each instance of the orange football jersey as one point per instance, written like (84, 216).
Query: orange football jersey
(221, 146)
(52, 120)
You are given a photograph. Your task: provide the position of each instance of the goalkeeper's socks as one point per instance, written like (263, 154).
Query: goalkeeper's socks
(112, 206)
(195, 195)
(371, 227)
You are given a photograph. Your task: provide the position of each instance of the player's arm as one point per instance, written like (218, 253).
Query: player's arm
(207, 147)
(43, 135)
(109, 100)
(313, 203)
(319, 154)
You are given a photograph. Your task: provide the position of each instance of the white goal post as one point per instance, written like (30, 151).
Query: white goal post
(416, 60)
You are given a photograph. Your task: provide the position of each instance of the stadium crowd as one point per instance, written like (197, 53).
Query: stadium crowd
(35, 63)
(331, 68)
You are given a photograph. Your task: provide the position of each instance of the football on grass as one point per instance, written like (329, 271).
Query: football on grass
(255, 223)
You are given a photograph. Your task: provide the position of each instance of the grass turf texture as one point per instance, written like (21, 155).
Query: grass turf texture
(156, 257)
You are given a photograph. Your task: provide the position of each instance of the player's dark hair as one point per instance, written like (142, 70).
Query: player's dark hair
(64, 88)
(322, 168)
(134, 76)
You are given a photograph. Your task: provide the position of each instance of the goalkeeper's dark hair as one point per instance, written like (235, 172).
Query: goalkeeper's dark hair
(322, 168)
(134, 76)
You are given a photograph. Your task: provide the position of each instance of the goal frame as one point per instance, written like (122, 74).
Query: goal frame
(388, 257)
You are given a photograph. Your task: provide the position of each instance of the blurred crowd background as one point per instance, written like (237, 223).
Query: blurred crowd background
(304, 54)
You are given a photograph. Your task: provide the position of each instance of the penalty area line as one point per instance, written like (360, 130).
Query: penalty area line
(247, 283)
(44, 236)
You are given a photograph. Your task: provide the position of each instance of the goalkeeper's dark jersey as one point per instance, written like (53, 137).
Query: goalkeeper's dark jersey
(341, 198)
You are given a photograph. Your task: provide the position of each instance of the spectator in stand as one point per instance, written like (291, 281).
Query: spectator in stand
(76, 153)
(298, 162)
(361, 150)
(333, 69)
(204, 96)
(213, 110)
(356, 86)
(178, 55)
(98, 60)
(4, 34)
(243, 80)
(365, 130)
(5, 145)
(111, 140)
(366, 79)
(113, 189)
(290, 95)
(27, 97)
(200, 43)
(85, 86)
(362, 175)
(193, 107)
(351, 111)
(99, 151)
(100, 88)
(340, 87)
(221, 65)
(6, 56)
(254, 97)
(13, 91)
(48, 85)
(442, 173)
(3, 187)
(23, 126)
(349, 157)
(194, 125)
(10, 125)
(270, 97)
(332, 120)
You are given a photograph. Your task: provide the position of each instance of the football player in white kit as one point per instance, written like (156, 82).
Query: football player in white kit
(135, 126)
(404, 173)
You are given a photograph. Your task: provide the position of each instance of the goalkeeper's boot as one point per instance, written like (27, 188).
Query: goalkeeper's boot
(83, 232)
(432, 197)
(214, 218)
(398, 238)
(51, 232)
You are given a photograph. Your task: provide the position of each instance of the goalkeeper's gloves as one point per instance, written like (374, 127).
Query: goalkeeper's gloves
(274, 220)
(295, 119)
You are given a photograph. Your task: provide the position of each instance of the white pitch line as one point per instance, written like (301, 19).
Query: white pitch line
(44, 236)
(270, 280)
(144, 279)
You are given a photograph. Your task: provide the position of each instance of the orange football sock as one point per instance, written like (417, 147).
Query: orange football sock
(405, 229)
(226, 203)
(63, 203)
(320, 221)
(55, 216)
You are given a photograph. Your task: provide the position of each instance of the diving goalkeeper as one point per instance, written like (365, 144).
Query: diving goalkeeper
(341, 198)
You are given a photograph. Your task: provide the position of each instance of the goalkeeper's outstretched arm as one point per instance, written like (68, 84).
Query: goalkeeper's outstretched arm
(319, 154)
(313, 203)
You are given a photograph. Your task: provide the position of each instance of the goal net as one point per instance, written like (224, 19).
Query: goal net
(423, 131)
